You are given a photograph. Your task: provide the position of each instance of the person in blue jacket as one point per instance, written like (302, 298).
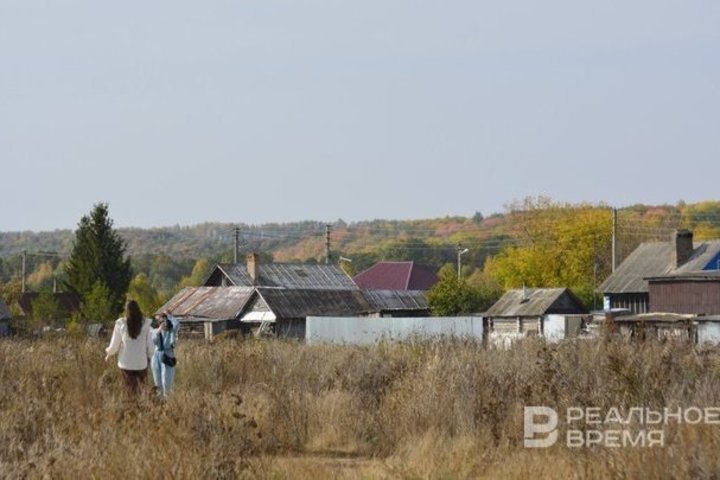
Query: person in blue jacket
(164, 362)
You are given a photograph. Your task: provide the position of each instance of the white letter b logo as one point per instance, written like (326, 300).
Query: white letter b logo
(531, 428)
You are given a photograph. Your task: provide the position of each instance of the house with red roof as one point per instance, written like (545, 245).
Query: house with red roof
(396, 276)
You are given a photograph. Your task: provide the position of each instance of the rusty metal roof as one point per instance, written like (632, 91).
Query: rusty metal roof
(212, 303)
(289, 275)
(534, 302)
(654, 259)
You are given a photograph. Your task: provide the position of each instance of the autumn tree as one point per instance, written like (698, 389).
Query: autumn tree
(703, 219)
(98, 259)
(10, 293)
(198, 275)
(142, 291)
(555, 245)
(41, 277)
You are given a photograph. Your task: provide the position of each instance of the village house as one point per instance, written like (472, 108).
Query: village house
(667, 265)
(288, 275)
(68, 303)
(283, 311)
(553, 313)
(208, 310)
(397, 276)
(686, 293)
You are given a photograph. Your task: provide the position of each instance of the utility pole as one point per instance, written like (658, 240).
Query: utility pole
(327, 244)
(614, 238)
(237, 243)
(24, 257)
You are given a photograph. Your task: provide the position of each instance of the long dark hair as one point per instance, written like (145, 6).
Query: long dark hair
(134, 318)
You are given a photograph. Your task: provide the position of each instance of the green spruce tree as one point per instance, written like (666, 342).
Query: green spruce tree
(97, 306)
(98, 257)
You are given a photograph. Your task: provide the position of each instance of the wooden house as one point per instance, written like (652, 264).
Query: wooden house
(207, 311)
(282, 312)
(686, 293)
(69, 303)
(629, 286)
(286, 275)
(553, 313)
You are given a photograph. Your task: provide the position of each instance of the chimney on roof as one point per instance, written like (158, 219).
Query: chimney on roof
(682, 247)
(525, 294)
(253, 262)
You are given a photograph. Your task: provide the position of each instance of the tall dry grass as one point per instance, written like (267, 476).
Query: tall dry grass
(272, 409)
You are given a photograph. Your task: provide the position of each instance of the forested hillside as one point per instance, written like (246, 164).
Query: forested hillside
(536, 242)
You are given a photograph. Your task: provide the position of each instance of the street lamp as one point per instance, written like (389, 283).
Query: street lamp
(460, 254)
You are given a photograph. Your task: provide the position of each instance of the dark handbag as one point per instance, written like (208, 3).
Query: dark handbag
(165, 358)
(168, 360)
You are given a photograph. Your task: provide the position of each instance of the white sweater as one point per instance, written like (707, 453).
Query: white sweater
(134, 352)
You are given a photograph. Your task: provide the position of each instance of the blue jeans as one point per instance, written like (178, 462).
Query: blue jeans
(163, 376)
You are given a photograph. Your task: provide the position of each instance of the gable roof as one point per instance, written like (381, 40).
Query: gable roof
(225, 303)
(287, 275)
(654, 259)
(396, 300)
(299, 303)
(540, 301)
(701, 276)
(396, 276)
(4, 311)
(69, 302)
(215, 303)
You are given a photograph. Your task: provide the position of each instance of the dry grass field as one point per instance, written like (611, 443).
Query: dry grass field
(272, 409)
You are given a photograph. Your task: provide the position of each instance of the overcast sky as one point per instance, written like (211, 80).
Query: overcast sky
(180, 112)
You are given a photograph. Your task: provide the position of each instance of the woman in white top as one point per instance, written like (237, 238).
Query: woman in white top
(132, 340)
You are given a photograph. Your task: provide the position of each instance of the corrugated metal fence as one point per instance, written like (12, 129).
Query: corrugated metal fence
(368, 330)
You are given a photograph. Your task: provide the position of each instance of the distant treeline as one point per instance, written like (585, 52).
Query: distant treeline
(535, 226)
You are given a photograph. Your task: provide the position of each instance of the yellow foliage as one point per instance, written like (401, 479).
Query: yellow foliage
(75, 329)
(43, 272)
(556, 245)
